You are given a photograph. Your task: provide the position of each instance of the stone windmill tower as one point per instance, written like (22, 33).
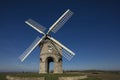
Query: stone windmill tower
(51, 49)
(50, 52)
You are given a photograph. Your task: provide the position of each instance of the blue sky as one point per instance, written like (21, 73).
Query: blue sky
(93, 33)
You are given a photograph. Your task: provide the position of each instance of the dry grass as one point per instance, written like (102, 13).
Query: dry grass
(105, 75)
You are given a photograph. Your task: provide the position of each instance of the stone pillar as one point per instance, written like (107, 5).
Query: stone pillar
(43, 68)
(58, 67)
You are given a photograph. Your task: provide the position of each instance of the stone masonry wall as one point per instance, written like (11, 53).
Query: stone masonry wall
(73, 78)
(24, 78)
(42, 78)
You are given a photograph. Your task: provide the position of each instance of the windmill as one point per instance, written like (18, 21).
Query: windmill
(51, 49)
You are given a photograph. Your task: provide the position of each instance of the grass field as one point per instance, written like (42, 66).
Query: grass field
(105, 75)
(91, 75)
(47, 76)
(3, 76)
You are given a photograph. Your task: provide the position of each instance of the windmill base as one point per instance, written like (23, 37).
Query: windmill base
(50, 52)
(44, 68)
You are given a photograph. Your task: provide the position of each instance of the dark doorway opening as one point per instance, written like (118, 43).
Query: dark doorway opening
(50, 63)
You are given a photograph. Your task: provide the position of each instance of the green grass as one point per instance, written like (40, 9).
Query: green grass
(47, 76)
(92, 78)
(91, 75)
(3, 76)
(97, 75)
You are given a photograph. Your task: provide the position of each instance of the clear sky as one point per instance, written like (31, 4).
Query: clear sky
(93, 32)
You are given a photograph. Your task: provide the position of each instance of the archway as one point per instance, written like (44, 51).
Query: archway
(50, 64)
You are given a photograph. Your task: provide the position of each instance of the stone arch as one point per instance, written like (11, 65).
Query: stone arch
(48, 61)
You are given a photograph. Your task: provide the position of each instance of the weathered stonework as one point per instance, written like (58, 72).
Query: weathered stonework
(43, 78)
(50, 52)
(24, 78)
(73, 78)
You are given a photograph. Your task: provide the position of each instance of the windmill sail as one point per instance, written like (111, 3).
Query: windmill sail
(66, 50)
(61, 21)
(66, 54)
(30, 48)
(36, 26)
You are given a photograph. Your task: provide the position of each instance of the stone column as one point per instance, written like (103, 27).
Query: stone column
(58, 67)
